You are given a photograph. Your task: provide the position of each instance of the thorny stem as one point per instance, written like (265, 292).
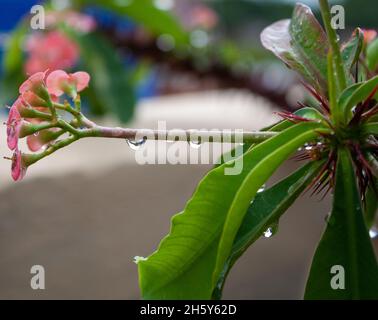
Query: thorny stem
(186, 135)
(93, 130)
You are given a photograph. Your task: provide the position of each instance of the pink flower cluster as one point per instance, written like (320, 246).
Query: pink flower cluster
(204, 17)
(369, 35)
(52, 50)
(75, 20)
(37, 96)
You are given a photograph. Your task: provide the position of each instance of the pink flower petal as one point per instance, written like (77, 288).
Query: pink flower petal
(44, 137)
(59, 82)
(34, 64)
(13, 127)
(34, 143)
(81, 80)
(78, 21)
(369, 35)
(19, 104)
(34, 81)
(56, 81)
(18, 168)
(31, 99)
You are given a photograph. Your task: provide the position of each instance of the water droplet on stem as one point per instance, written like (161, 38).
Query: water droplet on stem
(136, 144)
(195, 144)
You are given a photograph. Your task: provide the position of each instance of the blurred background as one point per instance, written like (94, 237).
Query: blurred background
(86, 211)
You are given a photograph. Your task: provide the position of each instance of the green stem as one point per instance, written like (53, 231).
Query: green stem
(371, 129)
(333, 40)
(51, 106)
(81, 119)
(34, 128)
(69, 128)
(332, 90)
(52, 148)
(32, 113)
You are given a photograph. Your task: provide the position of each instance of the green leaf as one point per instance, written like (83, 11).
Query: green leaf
(183, 265)
(372, 55)
(110, 81)
(371, 128)
(13, 57)
(147, 14)
(355, 94)
(302, 44)
(373, 162)
(254, 179)
(307, 113)
(343, 100)
(373, 118)
(345, 243)
(265, 210)
(352, 49)
(371, 207)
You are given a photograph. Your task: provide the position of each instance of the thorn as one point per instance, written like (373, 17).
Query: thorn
(317, 96)
(361, 107)
(373, 111)
(7, 158)
(321, 184)
(330, 162)
(326, 192)
(291, 116)
(302, 105)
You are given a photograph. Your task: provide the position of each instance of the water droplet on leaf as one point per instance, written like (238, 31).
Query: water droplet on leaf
(137, 259)
(268, 232)
(262, 189)
(272, 230)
